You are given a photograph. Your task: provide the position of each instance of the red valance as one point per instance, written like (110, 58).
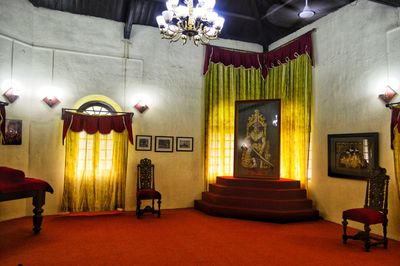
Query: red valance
(263, 61)
(289, 51)
(93, 123)
(234, 58)
(395, 122)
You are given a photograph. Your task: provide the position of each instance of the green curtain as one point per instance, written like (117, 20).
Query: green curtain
(291, 82)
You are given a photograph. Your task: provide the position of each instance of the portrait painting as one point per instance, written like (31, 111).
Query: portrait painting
(257, 139)
(13, 132)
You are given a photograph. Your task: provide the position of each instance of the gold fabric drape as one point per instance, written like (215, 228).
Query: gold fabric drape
(291, 82)
(396, 156)
(95, 171)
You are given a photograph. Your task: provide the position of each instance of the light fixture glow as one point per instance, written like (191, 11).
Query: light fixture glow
(307, 11)
(141, 106)
(200, 24)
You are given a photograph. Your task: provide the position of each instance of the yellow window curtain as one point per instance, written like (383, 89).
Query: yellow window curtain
(96, 151)
(224, 85)
(292, 83)
(95, 171)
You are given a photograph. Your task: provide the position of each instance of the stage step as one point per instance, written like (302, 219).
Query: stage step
(262, 199)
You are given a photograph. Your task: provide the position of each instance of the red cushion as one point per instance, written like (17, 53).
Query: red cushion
(365, 215)
(148, 194)
(8, 174)
(28, 184)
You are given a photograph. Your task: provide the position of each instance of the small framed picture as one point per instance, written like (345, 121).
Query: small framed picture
(13, 134)
(143, 143)
(164, 144)
(184, 144)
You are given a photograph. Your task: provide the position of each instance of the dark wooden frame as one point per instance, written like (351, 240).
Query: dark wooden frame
(8, 140)
(271, 112)
(341, 146)
(157, 146)
(138, 147)
(181, 148)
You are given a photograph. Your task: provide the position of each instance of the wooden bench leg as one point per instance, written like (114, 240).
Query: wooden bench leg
(38, 201)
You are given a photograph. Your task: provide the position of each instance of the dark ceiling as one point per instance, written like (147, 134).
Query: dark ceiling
(256, 21)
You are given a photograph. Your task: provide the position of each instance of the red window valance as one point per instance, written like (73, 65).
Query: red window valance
(93, 123)
(263, 61)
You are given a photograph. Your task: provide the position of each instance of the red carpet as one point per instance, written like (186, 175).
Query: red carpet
(182, 237)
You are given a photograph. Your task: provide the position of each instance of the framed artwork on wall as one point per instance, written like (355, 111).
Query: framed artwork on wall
(352, 155)
(184, 144)
(13, 132)
(143, 143)
(164, 144)
(257, 139)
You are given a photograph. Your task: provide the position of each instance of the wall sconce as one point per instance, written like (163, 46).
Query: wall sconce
(51, 101)
(141, 107)
(10, 95)
(388, 95)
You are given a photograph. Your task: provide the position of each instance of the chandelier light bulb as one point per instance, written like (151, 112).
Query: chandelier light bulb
(307, 11)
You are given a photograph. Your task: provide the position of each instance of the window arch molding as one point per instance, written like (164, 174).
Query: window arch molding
(87, 100)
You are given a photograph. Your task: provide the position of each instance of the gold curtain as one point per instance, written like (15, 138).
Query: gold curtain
(292, 83)
(224, 85)
(95, 171)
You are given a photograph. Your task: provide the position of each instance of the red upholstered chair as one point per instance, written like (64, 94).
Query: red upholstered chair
(374, 211)
(145, 189)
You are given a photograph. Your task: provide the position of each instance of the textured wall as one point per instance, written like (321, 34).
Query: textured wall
(354, 48)
(89, 59)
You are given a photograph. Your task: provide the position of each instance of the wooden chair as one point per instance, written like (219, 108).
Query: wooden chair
(374, 210)
(145, 189)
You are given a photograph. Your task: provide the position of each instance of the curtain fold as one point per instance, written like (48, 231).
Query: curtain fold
(235, 75)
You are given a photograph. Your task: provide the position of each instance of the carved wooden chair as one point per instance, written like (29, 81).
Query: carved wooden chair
(145, 189)
(374, 211)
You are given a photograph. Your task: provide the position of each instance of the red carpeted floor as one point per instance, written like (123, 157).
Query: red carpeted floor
(182, 237)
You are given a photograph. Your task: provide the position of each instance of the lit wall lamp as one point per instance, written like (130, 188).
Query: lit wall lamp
(10, 94)
(388, 95)
(141, 106)
(51, 100)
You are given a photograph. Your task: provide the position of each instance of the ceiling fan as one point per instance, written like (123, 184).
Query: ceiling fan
(293, 12)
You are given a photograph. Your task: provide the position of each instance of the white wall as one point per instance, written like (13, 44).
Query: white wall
(354, 48)
(89, 59)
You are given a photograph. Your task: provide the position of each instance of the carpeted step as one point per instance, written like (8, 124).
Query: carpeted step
(257, 214)
(257, 203)
(257, 182)
(263, 193)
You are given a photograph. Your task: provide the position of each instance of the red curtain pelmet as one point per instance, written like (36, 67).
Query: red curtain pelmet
(93, 123)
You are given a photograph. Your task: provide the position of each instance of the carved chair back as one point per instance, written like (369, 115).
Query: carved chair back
(145, 174)
(377, 190)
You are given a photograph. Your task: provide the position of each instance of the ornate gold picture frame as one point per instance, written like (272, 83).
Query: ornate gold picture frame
(257, 139)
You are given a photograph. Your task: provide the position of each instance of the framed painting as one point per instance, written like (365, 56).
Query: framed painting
(13, 132)
(257, 139)
(184, 144)
(164, 144)
(352, 155)
(143, 143)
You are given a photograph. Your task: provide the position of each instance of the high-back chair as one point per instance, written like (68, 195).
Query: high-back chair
(375, 210)
(145, 189)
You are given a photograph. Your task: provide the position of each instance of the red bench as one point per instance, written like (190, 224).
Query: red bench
(14, 185)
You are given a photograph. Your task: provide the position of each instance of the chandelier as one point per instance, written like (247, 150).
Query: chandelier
(182, 22)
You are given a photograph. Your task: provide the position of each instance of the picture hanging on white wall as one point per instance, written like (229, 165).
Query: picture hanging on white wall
(164, 144)
(13, 134)
(143, 143)
(184, 144)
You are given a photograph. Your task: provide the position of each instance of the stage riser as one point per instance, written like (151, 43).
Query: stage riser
(258, 193)
(258, 183)
(255, 203)
(260, 199)
(252, 214)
